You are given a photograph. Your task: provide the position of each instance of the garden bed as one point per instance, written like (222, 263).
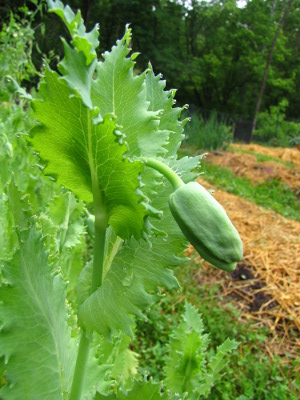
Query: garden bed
(243, 164)
(287, 154)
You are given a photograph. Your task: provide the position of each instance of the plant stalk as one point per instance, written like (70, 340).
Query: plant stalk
(81, 362)
(97, 277)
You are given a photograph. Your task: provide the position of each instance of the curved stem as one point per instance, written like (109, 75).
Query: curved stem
(165, 170)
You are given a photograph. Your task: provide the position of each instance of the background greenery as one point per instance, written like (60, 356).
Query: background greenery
(213, 52)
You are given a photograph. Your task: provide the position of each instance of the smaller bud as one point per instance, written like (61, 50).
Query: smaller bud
(206, 225)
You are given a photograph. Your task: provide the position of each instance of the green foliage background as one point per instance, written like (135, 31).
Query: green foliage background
(213, 52)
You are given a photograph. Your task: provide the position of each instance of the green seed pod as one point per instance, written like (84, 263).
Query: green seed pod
(206, 225)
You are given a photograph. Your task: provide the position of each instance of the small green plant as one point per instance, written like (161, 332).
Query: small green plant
(251, 373)
(109, 138)
(210, 134)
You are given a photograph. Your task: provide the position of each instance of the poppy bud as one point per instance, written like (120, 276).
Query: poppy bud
(206, 225)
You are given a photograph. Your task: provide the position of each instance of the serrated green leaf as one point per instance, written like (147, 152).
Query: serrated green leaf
(98, 377)
(122, 293)
(14, 213)
(83, 289)
(116, 90)
(62, 226)
(190, 367)
(87, 158)
(8, 239)
(74, 71)
(163, 101)
(18, 205)
(125, 366)
(66, 214)
(217, 363)
(186, 362)
(83, 42)
(123, 360)
(35, 339)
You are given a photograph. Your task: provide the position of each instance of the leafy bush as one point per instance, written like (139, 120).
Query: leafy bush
(274, 130)
(208, 134)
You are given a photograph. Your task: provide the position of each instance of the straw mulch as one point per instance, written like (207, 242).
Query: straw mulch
(265, 286)
(247, 165)
(283, 153)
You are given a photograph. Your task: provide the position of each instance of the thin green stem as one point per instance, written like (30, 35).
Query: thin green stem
(100, 233)
(165, 170)
(81, 362)
(83, 352)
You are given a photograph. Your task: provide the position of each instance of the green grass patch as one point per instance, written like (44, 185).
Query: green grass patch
(250, 374)
(271, 194)
(262, 157)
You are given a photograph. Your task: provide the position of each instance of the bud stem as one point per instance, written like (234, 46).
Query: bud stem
(165, 170)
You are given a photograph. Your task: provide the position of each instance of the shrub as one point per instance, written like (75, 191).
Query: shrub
(208, 134)
(274, 129)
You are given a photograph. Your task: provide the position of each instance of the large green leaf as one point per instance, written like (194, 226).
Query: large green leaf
(117, 90)
(35, 339)
(85, 157)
